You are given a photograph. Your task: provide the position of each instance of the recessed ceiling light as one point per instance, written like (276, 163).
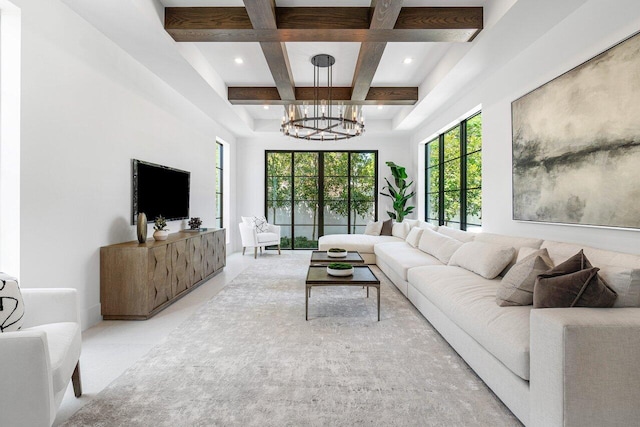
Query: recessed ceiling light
(407, 60)
(379, 107)
(266, 107)
(239, 61)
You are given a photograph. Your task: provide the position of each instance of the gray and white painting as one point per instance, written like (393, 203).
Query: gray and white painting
(576, 144)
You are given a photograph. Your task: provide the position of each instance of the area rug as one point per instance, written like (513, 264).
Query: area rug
(249, 358)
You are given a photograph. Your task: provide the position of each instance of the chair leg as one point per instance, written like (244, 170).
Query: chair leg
(75, 380)
(260, 250)
(243, 248)
(279, 250)
(255, 253)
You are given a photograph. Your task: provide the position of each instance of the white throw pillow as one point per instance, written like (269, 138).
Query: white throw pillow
(412, 223)
(438, 245)
(485, 259)
(400, 229)
(11, 304)
(414, 236)
(373, 228)
(625, 281)
(259, 222)
(424, 224)
(463, 236)
(247, 220)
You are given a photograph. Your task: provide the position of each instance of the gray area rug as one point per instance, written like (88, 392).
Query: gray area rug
(249, 358)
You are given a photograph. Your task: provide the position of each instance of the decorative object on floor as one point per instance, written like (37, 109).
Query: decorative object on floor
(142, 227)
(257, 233)
(11, 304)
(162, 232)
(322, 124)
(576, 144)
(337, 253)
(195, 223)
(242, 378)
(340, 269)
(398, 195)
(40, 359)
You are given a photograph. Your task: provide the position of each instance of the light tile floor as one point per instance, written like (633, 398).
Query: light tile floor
(112, 346)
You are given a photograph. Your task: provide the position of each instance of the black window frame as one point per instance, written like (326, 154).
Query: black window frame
(464, 189)
(321, 176)
(220, 176)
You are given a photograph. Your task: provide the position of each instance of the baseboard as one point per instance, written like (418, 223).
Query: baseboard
(90, 317)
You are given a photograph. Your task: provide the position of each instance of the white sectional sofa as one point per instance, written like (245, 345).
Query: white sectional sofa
(551, 367)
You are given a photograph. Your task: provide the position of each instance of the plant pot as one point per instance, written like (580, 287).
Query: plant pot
(342, 254)
(339, 273)
(160, 235)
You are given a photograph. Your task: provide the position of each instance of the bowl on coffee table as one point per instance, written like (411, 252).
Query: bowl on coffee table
(337, 253)
(340, 269)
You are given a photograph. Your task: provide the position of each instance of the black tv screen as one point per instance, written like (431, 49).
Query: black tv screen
(160, 190)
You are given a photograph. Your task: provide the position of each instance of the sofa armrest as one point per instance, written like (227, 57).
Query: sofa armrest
(248, 235)
(42, 306)
(584, 366)
(26, 383)
(273, 229)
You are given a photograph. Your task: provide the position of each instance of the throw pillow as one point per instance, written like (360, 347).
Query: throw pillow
(485, 259)
(460, 235)
(625, 282)
(400, 229)
(373, 228)
(438, 245)
(412, 223)
(260, 223)
(414, 236)
(582, 288)
(424, 224)
(387, 228)
(516, 288)
(11, 304)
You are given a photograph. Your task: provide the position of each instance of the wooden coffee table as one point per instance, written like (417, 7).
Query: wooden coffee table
(318, 276)
(321, 257)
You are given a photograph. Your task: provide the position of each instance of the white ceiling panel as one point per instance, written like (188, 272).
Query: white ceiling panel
(392, 71)
(300, 55)
(254, 70)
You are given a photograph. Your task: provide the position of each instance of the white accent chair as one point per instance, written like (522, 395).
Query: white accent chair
(38, 361)
(252, 238)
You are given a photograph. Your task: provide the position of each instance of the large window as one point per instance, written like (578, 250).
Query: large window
(453, 162)
(219, 184)
(313, 193)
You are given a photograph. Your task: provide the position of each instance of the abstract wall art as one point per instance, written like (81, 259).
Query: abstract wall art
(576, 144)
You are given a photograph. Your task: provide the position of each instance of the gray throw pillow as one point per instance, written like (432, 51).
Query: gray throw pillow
(516, 288)
(387, 227)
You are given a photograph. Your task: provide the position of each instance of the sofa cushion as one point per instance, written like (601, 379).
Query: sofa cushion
(373, 228)
(400, 257)
(11, 304)
(517, 285)
(354, 242)
(267, 237)
(518, 243)
(400, 229)
(414, 236)
(438, 245)
(64, 342)
(460, 235)
(485, 259)
(469, 301)
(626, 282)
(424, 224)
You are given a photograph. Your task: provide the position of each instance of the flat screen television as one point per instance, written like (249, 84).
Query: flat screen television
(159, 190)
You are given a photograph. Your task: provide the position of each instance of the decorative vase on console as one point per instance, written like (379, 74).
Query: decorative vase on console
(195, 223)
(142, 227)
(162, 232)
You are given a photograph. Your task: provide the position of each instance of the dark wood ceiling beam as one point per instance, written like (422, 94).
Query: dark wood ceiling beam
(384, 14)
(233, 24)
(263, 17)
(270, 96)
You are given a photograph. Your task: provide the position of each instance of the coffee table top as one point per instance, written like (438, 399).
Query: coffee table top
(362, 275)
(353, 257)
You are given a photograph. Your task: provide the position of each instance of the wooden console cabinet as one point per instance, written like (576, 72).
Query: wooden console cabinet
(137, 280)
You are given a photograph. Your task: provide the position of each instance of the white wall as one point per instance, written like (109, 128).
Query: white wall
(88, 108)
(592, 28)
(251, 155)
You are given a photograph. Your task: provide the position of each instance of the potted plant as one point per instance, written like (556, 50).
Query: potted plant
(337, 253)
(398, 195)
(195, 223)
(162, 232)
(340, 269)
